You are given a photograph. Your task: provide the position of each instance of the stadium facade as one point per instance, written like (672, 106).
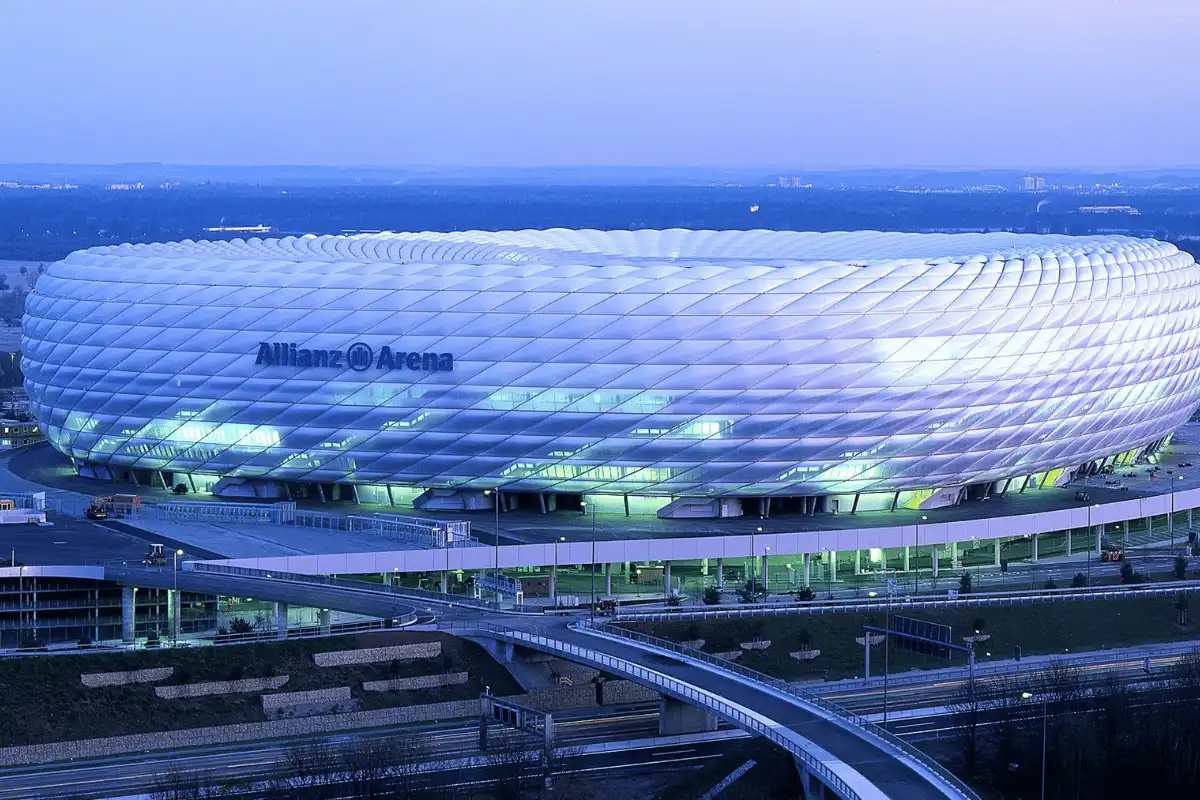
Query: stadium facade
(691, 371)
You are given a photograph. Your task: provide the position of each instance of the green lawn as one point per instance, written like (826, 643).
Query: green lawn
(1041, 628)
(44, 700)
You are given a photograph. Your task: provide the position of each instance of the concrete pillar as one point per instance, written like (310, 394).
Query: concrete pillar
(667, 578)
(626, 572)
(608, 579)
(1189, 519)
(1126, 531)
(1100, 537)
(953, 555)
(1068, 541)
(128, 613)
(173, 609)
(935, 555)
(720, 573)
(554, 584)
(445, 582)
(763, 572)
(907, 567)
(675, 718)
(833, 566)
(810, 786)
(1035, 547)
(281, 620)
(996, 552)
(326, 621)
(858, 562)
(1149, 529)
(704, 566)
(807, 569)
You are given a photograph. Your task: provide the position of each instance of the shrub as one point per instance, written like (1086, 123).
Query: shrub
(806, 594)
(152, 639)
(30, 639)
(1180, 566)
(239, 625)
(84, 641)
(674, 600)
(978, 625)
(1050, 584)
(964, 583)
(1127, 573)
(1079, 581)
(804, 639)
(712, 596)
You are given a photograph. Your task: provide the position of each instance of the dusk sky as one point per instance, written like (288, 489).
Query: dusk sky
(835, 83)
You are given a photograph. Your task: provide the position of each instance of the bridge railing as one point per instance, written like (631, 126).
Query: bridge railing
(670, 686)
(901, 603)
(340, 583)
(889, 740)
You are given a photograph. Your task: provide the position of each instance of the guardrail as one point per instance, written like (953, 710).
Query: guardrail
(888, 739)
(677, 689)
(340, 583)
(1030, 664)
(881, 602)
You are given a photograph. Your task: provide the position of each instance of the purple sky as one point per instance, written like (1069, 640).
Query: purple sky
(829, 83)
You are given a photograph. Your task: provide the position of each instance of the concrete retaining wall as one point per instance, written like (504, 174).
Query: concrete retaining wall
(371, 655)
(94, 680)
(220, 687)
(274, 702)
(416, 682)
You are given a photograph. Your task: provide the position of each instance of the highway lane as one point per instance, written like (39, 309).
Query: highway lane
(130, 774)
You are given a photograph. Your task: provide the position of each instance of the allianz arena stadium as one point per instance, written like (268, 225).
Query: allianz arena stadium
(694, 371)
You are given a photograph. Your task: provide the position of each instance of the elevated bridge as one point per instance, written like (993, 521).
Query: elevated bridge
(853, 758)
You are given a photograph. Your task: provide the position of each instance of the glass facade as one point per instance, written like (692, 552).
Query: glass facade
(660, 363)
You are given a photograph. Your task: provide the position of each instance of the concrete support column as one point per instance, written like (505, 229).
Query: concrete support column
(554, 584)
(1035, 547)
(704, 566)
(445, 582)
(935, 555)
(833, 566)
(281, 620)
(1099, 538)
(858, 562)
(675, 718)
(173, 609)
(1101, 527)
(1068, 541)
(720, 573)
(667, 578)
(1149, 528)
(810, 786)
(953, 555)
(128, 613)
(608, 579)
(326, 621)
(626, 572)
(907, 567)
(763, 572)
(996, 552)
(807, 569)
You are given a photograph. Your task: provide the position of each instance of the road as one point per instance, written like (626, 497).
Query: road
(117, 776)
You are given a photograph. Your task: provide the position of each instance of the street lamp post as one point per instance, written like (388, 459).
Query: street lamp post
(176, 606)
(917, 554)
(496, 543)
(1026, 696)
(593, 609)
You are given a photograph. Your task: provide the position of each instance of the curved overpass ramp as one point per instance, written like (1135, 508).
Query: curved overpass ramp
(854, 759)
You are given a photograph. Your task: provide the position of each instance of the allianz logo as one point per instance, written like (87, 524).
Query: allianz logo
(358, 357)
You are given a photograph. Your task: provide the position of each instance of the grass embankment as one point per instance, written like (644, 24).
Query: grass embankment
(1038, 629)
(44, 700)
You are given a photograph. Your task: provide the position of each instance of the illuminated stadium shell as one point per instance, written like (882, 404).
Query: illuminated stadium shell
(685, 363)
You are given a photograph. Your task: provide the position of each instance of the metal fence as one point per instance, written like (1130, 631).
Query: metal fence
(404, 592)
(887, 739)
(202, 511)
(909, 603)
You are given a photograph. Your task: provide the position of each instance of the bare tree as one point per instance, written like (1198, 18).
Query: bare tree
(382, 767)
(516, 769)
(310, 771)
(967, 708)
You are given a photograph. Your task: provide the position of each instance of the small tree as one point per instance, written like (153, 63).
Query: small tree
(806, 594)
(152, 639)
(1181, 611)
(1180, 566)
(964, 583)
(804, 639)
(977, 625)
(239, 625)
(1079, 581)
(1127, 573)
(712, 596)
